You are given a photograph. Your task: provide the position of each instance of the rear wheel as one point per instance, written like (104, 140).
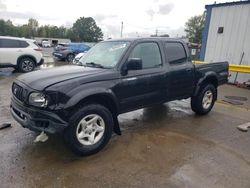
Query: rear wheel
(70, 57)
(204, 101)
(26, 64)
(90, 129)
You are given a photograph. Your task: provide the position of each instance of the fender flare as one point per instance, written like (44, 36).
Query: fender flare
(26, 56)
(74, 100)
(207, 76)
(81, 96)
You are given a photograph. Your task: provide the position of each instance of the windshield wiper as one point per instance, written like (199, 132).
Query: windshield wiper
(93, 64)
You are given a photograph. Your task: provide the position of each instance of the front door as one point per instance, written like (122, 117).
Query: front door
(142, 87)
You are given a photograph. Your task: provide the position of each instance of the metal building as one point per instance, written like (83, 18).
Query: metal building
(226, 36)
(52, 41)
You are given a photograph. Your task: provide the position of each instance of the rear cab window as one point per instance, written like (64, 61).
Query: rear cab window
(175, 52)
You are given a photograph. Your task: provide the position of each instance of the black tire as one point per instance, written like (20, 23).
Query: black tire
(26, 64)
(70, 57)
(197, 101)
(70, 133)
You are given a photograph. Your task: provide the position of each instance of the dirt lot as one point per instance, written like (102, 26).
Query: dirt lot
(162, 146)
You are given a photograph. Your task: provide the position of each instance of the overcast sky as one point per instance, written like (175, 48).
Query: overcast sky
(140, 18)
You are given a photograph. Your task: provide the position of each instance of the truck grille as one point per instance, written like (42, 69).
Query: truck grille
(17, 91)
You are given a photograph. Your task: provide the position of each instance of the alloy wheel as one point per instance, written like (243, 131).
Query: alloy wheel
(207, 99)
(90, 129)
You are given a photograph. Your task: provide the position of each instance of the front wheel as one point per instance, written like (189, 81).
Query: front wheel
(90, 129)
(204, 101)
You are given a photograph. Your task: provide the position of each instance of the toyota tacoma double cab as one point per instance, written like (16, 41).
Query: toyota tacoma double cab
(114, 77)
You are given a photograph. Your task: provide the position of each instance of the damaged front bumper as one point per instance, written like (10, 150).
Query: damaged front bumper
(36, 119)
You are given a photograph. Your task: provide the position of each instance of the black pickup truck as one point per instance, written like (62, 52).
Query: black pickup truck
(116, 76)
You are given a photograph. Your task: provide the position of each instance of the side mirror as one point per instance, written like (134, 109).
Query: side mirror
(134, 64)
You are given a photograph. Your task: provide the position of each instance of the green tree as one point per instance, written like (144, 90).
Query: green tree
(41, 32)
(194, 27)
(24, 31)
(32, 27)
(62, 32)
(7, 28)
(2, 25)
(85, 29)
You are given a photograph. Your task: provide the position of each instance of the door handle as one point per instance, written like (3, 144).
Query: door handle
(188, 70)
(129, 79)
(19, 50)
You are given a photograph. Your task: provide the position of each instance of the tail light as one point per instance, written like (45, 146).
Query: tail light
(38, 49)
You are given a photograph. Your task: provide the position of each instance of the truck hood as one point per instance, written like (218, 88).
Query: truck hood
(41, 79)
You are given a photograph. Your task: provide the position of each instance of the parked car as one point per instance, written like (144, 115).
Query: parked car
(68, 53)
(60, 46)
(78, 57)
(116, 76)
(20, 53)
(46, 44)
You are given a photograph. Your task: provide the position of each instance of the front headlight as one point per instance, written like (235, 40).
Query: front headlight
(38, 99)
(76, 61)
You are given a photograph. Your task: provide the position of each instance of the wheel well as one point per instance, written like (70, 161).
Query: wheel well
(101, 99)
(211, 80)
(70, 54)
(26, 56)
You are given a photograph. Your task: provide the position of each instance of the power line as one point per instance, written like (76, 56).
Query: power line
(156, 32)
(121, 29)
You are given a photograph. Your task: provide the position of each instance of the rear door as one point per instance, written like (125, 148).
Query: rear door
(181, 69)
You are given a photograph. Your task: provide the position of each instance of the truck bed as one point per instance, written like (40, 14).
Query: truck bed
(219, 69)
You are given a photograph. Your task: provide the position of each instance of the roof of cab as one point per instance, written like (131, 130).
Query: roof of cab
(147, 38)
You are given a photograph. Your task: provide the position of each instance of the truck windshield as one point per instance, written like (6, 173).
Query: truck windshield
(105, 54)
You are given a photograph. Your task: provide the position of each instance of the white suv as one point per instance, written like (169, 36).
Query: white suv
(20, 53)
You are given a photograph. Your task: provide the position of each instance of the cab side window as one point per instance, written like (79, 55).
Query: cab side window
(175, 52)
(149, 53)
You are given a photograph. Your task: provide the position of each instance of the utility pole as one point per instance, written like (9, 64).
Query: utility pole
(121, 29)
(156, 32)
